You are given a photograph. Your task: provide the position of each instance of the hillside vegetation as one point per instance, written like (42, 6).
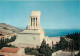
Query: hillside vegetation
(7, 29)
(70, 42)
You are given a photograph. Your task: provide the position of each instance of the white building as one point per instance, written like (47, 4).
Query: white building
(33, 35)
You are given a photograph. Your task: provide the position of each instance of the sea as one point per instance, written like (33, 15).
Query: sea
(59, 32)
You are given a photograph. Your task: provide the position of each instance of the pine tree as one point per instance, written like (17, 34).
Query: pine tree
(45, 49)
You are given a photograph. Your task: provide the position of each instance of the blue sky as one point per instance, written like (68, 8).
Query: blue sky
(54, 14)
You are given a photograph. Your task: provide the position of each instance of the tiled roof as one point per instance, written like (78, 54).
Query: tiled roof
(9, 50)
(5, 55)
(1, 36)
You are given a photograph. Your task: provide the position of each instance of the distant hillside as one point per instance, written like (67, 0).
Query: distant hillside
(7, 29)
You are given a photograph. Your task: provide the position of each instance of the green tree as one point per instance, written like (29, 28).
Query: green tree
(45, 49)
(63, 44)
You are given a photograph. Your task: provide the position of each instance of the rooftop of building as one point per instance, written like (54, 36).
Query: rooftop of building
(9, 50)
(1, 36)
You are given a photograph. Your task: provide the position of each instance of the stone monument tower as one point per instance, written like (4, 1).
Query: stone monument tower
(34, 20)
(33, 34)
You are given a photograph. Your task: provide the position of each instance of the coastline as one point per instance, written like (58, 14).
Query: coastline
(54, 39)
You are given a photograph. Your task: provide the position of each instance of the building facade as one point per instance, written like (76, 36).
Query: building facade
(33, 34)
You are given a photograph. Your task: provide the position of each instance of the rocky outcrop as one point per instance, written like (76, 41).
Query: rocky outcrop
(8, 29)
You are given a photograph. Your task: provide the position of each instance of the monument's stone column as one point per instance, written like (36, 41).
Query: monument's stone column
(35, 19)
(33, 34)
